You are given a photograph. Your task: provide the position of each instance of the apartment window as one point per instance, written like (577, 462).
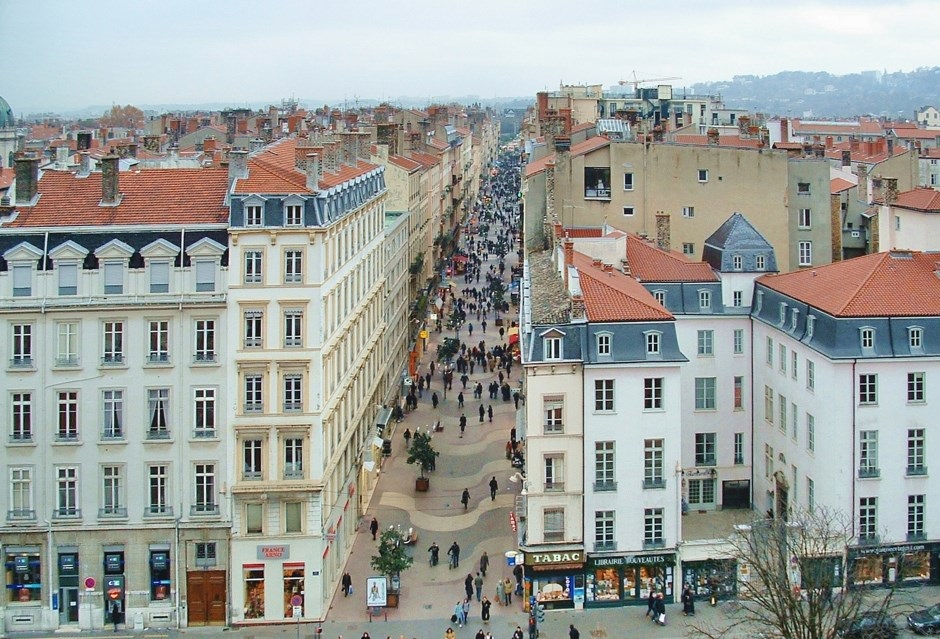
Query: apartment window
(867, 336)
(113, 409)
(293, 266)
(794, 419)
(739, 341)
(916, 452)
(804, 221)
(204, 412)
(112, 503)
(653, 528)
(113, 278)
(688, 248)
(603, 344)
(66, 344)
(158, 405)
(802, 188)
(293, 517)
(805, 252)
(604, 529)
(783, 412)
(737, 298)
(704, 300)
(688, 211)
(68, 279)
(253, 393)
(705, 342)
(915, 517)
(868, 453)
(768, 404)
(703, 175)
(554, 410)
(253, 216)
(810, 432)
(653, 456)
(653, 343)
(204, 499)
(251, 458)
(67, 504)
(157, 490)
(205, 275)
(21, 407)
(738, 392)
(293, 215)
(554, 473)
(293, 458)
(660, 297)
(604, 466)
(868, 518)
(810, 326)
(915, 387)
(915, 338)
(737, 262)
(627, 181)
(553, 524)
(552, 347)
(810, 374)
(206, 554)
(293, 392)
(704, 393)
(759, 261)
(782, 360)
(253, 329)
(113, 343)
(597, 182)
(205, 340)
(159, 333)
(783, 313)
(629, 211)
(67, 407)
(810, 495)
(21, 493)
(738, 449)
(768, 461)
(159, 277)
(293, 328)
(604, 395)
(653, 393)
(705, 449)
(868, 388)
(22, 280)
(253, 265)
(794, 362)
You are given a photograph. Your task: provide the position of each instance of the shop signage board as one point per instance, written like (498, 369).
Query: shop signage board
(273, 552)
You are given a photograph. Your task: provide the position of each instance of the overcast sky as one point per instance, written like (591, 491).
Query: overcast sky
(69, 54)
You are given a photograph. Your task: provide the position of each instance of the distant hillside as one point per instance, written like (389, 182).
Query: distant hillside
(822, 95)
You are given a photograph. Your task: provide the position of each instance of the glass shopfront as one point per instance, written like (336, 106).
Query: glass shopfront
(254, 590)
(896, 565)
(720, 575)
(23, 570)
(555, 578)
(628, 579)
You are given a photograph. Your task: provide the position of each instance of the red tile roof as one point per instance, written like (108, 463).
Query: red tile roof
(156, 196)
(895, 284)
(851, 127)
(438, 144)
(404, 163)
(426, 159)
(611, 296)
(651, 264)
(921, 198)
(584, 126)
(837, 185)
(916, 134)
(581, 148)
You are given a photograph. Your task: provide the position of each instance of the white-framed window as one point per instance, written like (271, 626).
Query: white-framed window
(915, 338)
(739, 341)
(554, 473)
(782, 423)
(703, 175)
(293, 517)
(604, 469)
(916, 387)
(802, 188)
(114, 278)
(868, 388)
(254, 215)
(810, 433)
(22, 280)
(21, 416)
(629, 211)
(158, 410)
(603, 344)
(293, 458)
(67, 495)
(254, 321)
(737, 262)
(782, 359)
(293, 215)
(627, 181)
(810, 495)
(22, 345)
(553, 408)
(252, 455)
(68, 278)
(738, 449)
(704, 393)
(205, 275)
(653, 342)
(553, 524)
(759, 262)
(653, 393)
(653, 463)
(705, 449)
(738, 397)
(805, 219)
(868, 453)
(706, 342)
(915, 517)
(204, 490)
(604, 538)
(112, 488)
(113, 352)
(660, 297)
(158, 332)
(112, 414)
(254, 261)
(810, 326)
(254, 518)
(293, 392)
(21, 493)
(293, 328)
(158, 481)
(868, 518)
(794, 364)
(653, 528)
(770, 351)
(205, 340)
(604, 395)
(768, 404)
(159, 276)
(805, 253)
(916, 452)
(254, 392)
(552, 347)
(293, 266)
(810, 374)
(688, 248)
(867, 338)
(67, 412)
(704, 300)
(688, 211)
(66, 344)
(204, 412)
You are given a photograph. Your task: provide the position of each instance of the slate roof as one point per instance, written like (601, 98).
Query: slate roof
(736, 234)
(651, 264)
(894, 284)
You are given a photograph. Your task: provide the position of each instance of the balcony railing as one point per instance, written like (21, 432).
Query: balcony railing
(605, 486)
(66, 361)
(21, 438)
(67, 513)
(158, 434)
(869, 472)
(917, 536)
(159, 358)
(114, 359)
(293, 407)
(916, 471)
(251, 475)
(293, 472)
(652, 544)
(254, 407)
(605, 546)
(21, 361)
(158, 510)
(21, 514)
(654, 483)
(112, 512)
(69, 437)
(204, 509)
(204, 433)
(204, 357)
(708, 460)
(866, 539)
(597, 193)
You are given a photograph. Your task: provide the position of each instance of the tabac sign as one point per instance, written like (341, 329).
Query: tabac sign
(553, 559)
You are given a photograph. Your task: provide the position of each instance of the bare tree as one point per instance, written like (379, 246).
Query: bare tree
(791, 577)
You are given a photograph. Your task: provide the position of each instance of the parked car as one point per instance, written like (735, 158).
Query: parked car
(925, 622)
(868, 625)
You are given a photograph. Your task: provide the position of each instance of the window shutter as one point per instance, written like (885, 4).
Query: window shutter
(205, 275)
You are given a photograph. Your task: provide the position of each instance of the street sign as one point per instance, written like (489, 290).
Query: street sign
(90, 583)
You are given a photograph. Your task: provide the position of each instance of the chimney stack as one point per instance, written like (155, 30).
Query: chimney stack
(713, 137)
(255, 144)
(313, 171)
(877, 189)
(237, 165)
(110, 196)
(862, 171)
(84, 141)
(568, 247)
(365, 145)
(663, 231)
(27, 179)
(209, 145)
(853, 143)
(846, 157)
(61, 158)
(784, 130)
(84, 164)
(890, 142)
(891, 190)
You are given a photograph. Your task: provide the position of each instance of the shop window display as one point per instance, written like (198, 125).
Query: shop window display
(23, 577)
(604, 585)
(254, 593)
(293, 585)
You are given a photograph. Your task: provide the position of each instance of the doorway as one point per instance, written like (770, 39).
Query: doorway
(205, 592)
(68, 605)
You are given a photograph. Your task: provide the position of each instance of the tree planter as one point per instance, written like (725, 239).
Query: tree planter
(422, 484)
(391, 599)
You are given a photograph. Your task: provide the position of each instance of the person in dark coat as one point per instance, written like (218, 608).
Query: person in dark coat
(465, 500)
(407, 438)
(688, 601)
(347, 584)
(485, 609)
(374, 527)
(463, 423)
(434, 399)
(573, 632)
(484, 563)
(489, 412)
(454, 553)
(494, 486)
(651, 605)
(659, 610)
(482, 413)
(468, 585)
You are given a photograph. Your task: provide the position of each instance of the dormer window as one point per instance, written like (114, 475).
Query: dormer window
(794, 317)
(704, 300)
(67, 259)
(113, 258)
(783, 312)
(810, 325)
(760, 301)
(22, 259)
(653, 342)
(206, 256)
(737, 262)
(660, 297)
(22, 280)
(915, 339)
(603, 344)
(867, 336)
(113, 278)
(552, 347)
(293, 215)
(68, 278)
(159, 276)
(759, 262)
(254, 215)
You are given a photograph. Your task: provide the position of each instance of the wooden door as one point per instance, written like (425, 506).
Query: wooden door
(206, 596)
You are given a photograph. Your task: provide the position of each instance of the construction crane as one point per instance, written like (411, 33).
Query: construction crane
(636, 82)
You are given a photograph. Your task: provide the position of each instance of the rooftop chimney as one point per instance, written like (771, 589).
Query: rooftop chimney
(27, 179)
(255, 144)
(313, 171)
(846, 157)
(109, 181)
(891, 190)
(365, 145)
(663, 231)
(713, 137)
(569, 256)
(61, 158)
(237, 165)
(890, 142)
(209, 145)
(784, 130)
(84, 164)
(853, 143)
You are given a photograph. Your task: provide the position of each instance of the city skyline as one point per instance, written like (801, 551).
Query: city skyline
(105, 52)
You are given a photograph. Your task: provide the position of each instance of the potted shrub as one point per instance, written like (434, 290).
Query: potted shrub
(391, 561)
(422, 453)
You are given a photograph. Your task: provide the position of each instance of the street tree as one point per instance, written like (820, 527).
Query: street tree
(392, 559)
(127, 116)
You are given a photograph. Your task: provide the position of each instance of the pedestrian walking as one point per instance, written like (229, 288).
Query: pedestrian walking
(483, 324)
(659, 609)
(460, 401)
(688, 601)
(465, 610)
(470, 328)
(517, 573)
(448, 634)
(518, 634)
(507, 592)
(478, 586)
(651, 605)
(573, 632)
(500, 592)
(465, 498)
(479, 634)
(434, 399)
(515, 398)
(374, 527)
(454, 554)
(484, 563)
(489, 412)
(463, 423)
(494, 486)
(482, 413)
(485, 609)
(407, 438)
(458, 613)
(463, 380)
(468, 585)
(435, 552)
(347, 584)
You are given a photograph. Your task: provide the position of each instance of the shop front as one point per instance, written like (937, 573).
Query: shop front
(623, 580)
(894, 565)
(556, 578)
(711, 575)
